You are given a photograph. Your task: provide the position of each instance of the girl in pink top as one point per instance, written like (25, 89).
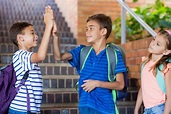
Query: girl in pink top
(154, 99)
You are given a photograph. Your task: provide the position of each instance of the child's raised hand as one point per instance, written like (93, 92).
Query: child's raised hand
(55, 30)
(48, 16)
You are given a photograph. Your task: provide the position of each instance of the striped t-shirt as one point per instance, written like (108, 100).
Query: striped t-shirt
(96, 68)
(22, 63)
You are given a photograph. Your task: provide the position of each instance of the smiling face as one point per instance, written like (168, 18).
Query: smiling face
(28, 39)
(93, 32)
(158, 45)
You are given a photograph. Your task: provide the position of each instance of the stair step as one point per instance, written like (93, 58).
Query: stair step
(60, 77)
(10, 48)
(59, 105)
(59, 90)
(64, 39)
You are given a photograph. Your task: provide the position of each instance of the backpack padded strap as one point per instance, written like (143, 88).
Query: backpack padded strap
(85, 51)
(159, 77)
(120, 49)
(112, 61)
(22, 83)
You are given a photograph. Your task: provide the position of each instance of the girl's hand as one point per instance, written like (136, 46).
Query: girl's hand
(89, 85)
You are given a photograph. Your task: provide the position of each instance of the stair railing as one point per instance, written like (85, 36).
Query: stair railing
(123, 23)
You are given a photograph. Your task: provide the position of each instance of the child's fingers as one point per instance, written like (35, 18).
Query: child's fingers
(46, 9)
(49, 11)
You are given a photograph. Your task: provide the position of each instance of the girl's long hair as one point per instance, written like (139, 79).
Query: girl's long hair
(164, 59)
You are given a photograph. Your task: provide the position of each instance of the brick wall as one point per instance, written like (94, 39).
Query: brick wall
(134, 51)
(85, 9)
(77, 11)
(109, 7)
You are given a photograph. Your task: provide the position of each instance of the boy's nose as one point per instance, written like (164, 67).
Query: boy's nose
(36, 36)
(87, 32)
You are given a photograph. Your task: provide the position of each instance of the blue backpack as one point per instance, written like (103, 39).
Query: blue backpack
(8, 90)
(112, 61)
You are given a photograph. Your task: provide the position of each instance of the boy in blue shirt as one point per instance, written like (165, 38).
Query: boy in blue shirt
(95, 90)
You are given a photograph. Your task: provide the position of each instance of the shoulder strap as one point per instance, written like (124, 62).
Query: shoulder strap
(22, 83)
(112, 60)
(23, 80)
(159, 77)
(120, 49)
(85, 51)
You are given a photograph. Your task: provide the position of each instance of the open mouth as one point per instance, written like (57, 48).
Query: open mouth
(88, 37)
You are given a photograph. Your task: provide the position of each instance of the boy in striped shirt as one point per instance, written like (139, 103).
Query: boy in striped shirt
(22, 34)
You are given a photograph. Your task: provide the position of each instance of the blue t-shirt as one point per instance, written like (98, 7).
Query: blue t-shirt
(95, 68)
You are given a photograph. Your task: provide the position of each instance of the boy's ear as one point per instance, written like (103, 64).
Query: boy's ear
(167, 52)
(20, 38)
(104, 31)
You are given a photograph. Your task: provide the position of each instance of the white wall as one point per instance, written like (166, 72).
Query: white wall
(69, 9)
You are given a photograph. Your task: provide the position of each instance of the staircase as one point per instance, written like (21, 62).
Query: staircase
(59, 78)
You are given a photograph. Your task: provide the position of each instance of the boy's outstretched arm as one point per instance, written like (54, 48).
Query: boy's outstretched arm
(56, 46)
(138, 102)
(42, 50)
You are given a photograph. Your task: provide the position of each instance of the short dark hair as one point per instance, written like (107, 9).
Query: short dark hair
(104, 22)
(17, 28)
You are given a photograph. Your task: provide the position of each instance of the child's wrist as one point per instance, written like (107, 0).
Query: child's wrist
(55, 34)
(48, 27)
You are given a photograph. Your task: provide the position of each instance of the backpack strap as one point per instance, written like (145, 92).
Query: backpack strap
(120, 49)
(22, 83)
(112, 61)
(159, 77)
(23, 80)
(113, 58)
(85, 51)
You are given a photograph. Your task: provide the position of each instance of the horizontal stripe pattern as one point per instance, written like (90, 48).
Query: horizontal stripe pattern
(22, 63)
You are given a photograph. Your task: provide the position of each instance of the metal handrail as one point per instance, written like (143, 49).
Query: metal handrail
(148, 28)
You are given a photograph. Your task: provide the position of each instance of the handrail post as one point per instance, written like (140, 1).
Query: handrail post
(123, 25)
(149, 29)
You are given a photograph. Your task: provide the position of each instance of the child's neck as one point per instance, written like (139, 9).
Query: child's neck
(23, 48)
(156, 58)
(98, 47)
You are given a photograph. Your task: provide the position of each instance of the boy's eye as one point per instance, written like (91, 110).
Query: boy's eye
(89, 29)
